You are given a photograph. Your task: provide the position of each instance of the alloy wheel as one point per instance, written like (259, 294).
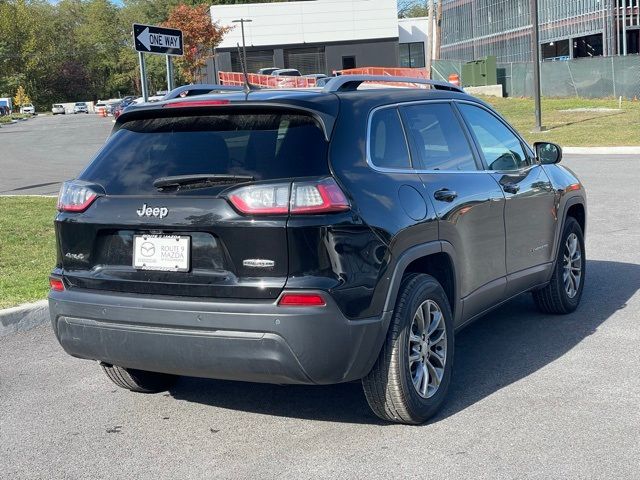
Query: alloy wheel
(427, 348)
(572, 265)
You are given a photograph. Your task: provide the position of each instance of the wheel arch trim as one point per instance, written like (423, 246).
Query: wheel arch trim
(569, 202)
(415, 253)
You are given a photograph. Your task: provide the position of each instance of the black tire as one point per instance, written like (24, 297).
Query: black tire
(138, 380)
(554, 298)
(389, 387)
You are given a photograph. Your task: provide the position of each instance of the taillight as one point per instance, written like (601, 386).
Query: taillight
(320, 196)
(301, 300)
(75, 197)
(56, 284)
(271, 199)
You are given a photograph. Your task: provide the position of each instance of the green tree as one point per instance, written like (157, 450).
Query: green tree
(412, 9)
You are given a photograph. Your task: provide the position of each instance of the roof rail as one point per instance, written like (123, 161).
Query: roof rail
(347, 83)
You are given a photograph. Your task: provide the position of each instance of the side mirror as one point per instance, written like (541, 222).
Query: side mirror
(548, 153)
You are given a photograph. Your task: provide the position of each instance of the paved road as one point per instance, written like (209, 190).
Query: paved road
(533, 396)
(36, 156)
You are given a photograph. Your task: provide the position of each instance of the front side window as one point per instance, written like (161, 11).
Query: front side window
(388, 146)
(501, 148)
(436, 138)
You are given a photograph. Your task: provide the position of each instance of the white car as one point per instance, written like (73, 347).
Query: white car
(57, 109)
(28, 108)
(80, 107)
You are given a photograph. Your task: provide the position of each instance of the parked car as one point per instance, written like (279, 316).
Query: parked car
(415, 212)
(101, 108)
(320, 78)
(80, 107)
(6, 106)
(124, 103)
(286, 72)
(316, 75)
(28, 109)
(268, 70)
(57, 109)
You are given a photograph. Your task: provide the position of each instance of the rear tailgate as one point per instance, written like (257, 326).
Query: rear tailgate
(228, 253)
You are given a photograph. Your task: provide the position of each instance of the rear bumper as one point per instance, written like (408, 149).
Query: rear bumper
(252, 340)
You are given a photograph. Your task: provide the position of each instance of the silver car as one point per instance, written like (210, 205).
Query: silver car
(58, 109)
(80, 107)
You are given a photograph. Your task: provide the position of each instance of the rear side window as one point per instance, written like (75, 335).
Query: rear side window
(264, 145)
(436, 138)
(388, 146)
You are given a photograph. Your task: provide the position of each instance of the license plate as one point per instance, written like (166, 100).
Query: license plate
(168, 253)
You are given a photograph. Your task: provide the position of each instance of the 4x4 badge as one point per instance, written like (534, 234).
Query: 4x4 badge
(147, 211)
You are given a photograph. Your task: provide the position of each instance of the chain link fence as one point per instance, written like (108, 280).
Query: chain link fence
(596, 77)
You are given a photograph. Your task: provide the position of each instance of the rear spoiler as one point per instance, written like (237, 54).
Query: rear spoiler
(326, 119)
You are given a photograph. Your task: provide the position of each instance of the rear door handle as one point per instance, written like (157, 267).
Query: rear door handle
(511, 187)
(445, 195)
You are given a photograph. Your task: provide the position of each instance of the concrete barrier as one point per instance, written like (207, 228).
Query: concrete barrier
(488, 90)
(23, 317)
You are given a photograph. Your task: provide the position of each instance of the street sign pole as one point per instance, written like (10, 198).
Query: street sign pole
(535, 50)
(169, 73)
(143, 77)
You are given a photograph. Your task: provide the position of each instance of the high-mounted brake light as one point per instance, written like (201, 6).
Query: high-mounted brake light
(302, 198)
(301, 300)
(56, 284)
(75, 197)
(197, 103)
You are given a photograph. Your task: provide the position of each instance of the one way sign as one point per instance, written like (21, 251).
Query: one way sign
(160, 40)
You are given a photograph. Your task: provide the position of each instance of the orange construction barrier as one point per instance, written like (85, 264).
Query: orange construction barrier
(390, 72)
(386, 71)
(454, 79)
(269, 81)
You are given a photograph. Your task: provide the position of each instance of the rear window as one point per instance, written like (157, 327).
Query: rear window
(264, 145)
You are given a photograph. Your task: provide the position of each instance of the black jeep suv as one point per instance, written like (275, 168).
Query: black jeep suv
(310, 236)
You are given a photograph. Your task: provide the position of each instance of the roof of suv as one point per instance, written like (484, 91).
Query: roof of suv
(323, 101)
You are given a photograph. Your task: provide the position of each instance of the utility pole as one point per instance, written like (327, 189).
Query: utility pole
(430, 38)
(624, 27)
(242, 21)
(438, 34)
(535, 53)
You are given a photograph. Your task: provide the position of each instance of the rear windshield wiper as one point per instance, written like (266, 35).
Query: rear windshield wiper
(201, 180)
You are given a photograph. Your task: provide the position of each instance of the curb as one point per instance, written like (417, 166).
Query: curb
(602, 150)
(23, 317)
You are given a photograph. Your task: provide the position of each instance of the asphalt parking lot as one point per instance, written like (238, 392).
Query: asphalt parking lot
(533, 396)
(41, 153)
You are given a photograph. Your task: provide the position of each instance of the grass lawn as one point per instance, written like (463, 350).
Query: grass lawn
(27, 248)
(577, 128)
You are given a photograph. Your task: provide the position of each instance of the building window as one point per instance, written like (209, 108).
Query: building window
(306, 60)
(558, 50)
(348, 62)
(412, 55)
(589, 46)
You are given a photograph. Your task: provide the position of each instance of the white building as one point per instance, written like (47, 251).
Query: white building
(314, 36)
(413, 41)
